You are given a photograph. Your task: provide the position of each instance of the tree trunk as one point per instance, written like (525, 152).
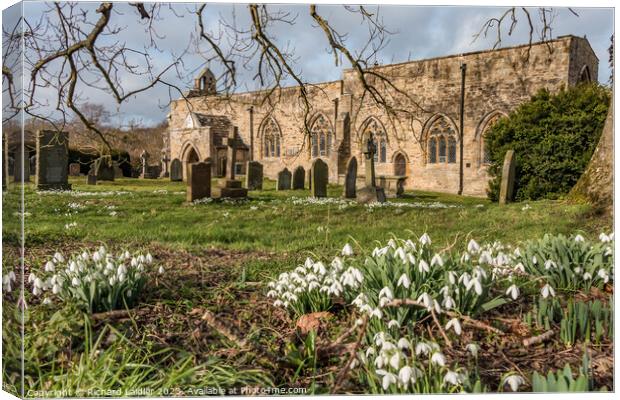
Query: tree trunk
(596, 185)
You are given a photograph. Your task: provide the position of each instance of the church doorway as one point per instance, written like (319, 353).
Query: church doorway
(400, 165)
(192, 156)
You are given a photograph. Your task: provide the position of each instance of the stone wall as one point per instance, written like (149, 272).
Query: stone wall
(496, 83)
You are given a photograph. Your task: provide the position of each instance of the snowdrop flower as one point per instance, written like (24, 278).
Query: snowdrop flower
(160, 270)
(404, 281)
(404, 343)
(404, 375)
(411, 258)
(376, 313)
(55, 289)
(386, 292)
(473, 349)
(475, 283)
(513, 291)
(437, 260)
(395, 360)
(134, 262)
(452, 277)
(550, 264)
(393, 323)
(422, 348)
(426, 299)
(400, 253)
(473, 247)
(388, 378)
(75, 281)
(58, 258)
(454, 324)
(425, 239)
(112, 280)
(438, 359)
(423, 266)
(587, 276)
(451, 377)
(604, 238)
(546, 291)
(121, 277)
(519, 268)
(149, 258)
(603, 275)
(534, 260)
(347, 250)
(514, 381)
(49, 266)
(465, 258)
(96, 256)
(579, 239)
(485, 258)
(448, 303)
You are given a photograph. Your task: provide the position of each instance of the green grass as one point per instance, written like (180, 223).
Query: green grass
(214, 252)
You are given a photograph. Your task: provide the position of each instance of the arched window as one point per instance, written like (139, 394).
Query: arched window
(432, 150)
(270, 133)
(321, 137)
(373, 126)
(441, 142)
(485, 155)
(584, 76)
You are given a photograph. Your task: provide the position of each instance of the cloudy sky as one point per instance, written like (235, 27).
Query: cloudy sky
(418, 32)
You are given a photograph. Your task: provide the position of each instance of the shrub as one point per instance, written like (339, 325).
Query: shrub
(96, 281)
(553, 136)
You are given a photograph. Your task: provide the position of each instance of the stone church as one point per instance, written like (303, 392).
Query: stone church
(418, 143)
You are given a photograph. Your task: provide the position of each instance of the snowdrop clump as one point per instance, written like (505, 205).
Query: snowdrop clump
(319, 201)
(98, 281)
(8, 281)
(71, 225)
(388, 204)
(398, 364)
(78, 193)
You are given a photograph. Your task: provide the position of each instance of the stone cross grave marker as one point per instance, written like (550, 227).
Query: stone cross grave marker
(320, 173)
(299, 176)
(198, 181)
(230, 188)
(370, 193)
(254, 175)
(176, 170)
(52, 160)
(350, 179)
(284, 180)
(508, 178)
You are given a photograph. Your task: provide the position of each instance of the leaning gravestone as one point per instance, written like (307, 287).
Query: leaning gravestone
(103, 169)
(74, 169)
(350, 179)
(254, 176)
(52, 160)
(21, 164)
(299, 177)
(284, 180)
(508, 178)
(198, 181)
(176, 170)
(319, 178)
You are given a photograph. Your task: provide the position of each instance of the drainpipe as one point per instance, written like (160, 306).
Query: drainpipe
(463, 71)
(251, 110)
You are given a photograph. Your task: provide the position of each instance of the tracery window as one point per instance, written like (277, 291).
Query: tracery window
(373, 126)
(321, 137)
(270, 133)
(441, 142)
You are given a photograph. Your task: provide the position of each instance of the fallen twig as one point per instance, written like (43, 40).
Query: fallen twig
(352, 354)
(224, 331)
(443, 333)
(539, 338)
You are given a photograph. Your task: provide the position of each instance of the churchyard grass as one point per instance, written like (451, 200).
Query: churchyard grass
(204, 319)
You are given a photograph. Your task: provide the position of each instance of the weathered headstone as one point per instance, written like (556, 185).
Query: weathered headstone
(350, 179)
(284, 180)
(320, 174)
(508, 178)
(309, 178)
(103, 169)
(52, 160)
(91, 179)
(33, 164)
(176, 170)
(370, 193)
(230, 187)
(22, 164)
(299, 177)
(198, 181)
(118, 172)
(74, 169)
(254, 176)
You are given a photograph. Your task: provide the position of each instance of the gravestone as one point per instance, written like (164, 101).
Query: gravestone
(5, 162)
(299, 177)
(33, 163)
(284, 180)
(370, 193)
(350, 179)
(198, 181)
(309, 178)
(230, 187)
(91, 179)
(254, 176)
(320, 175)
(508, 178)
(103, 169)
(118, 172)
(21, 164)
(176, 170)
(74, 169)
(144, 162)
(52, 160)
